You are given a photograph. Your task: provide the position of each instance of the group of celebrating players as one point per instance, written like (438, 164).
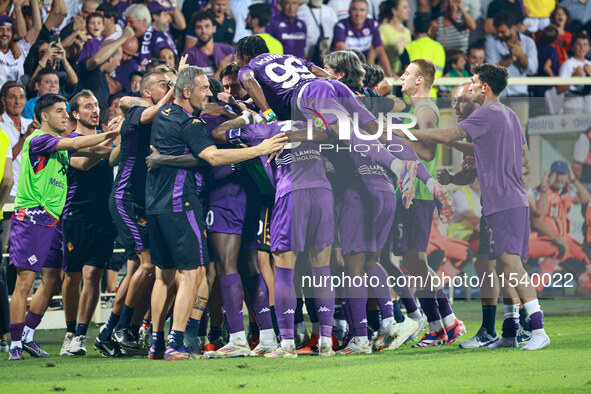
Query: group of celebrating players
(208, 229)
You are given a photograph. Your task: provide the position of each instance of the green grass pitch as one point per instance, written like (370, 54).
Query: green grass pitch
(564, 366)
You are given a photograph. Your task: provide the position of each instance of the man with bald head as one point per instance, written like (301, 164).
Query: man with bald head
(127, 66)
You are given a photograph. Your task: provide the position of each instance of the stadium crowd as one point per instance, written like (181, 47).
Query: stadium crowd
(117, 80)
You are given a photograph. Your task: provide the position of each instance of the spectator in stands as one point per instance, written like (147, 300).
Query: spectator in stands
(320, 20)
(289, 29)
(514, 50)
(13, 54)
(259, 15)
(452, 29)
(95, 25)
(240, 10)
(511, 6)
(394, 34)
(5, 186)
(207, 54)
(111, 16)
(224, 23)
(135, 78)
(455, 68)
(51, 55)
(578, 99)
(579, 10)
(476, 54)
(167, 56)
(340, 7)
(47, 81)
(548, 65)
(121, 6)
(424, 47)
(120, 82)
(538, 14)
(16, 127)
(160, 29)
(79, 22)
(561, 18)
(139, 18)
(361, 33)
(467, 212)
(51, 21)
(550, 205)
(93, 71)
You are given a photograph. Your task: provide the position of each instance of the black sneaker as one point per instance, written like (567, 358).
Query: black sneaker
(126, 339)
(109, 348)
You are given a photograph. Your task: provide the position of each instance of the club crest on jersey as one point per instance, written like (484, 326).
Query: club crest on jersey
(196, 120)
(33, 260)
(166, 111)
(142, 222)
(70, 246)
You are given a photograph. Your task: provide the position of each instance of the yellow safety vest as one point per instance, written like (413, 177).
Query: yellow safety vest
(275, 46)
(463, 229)
(427, 48)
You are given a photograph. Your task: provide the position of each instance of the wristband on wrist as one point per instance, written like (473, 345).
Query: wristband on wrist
(269, 115)
(247, 116)
(258, 118)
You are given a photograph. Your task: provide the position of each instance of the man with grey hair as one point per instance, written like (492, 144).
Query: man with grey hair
(175, 212)
(139, 18)
(93, 71)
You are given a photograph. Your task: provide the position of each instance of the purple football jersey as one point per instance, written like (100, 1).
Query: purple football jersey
(496, 133)
(149, 45)
(227, 180)
(90, 48)
(291, 34)
(122, 73)
(209, 63)
(280, 77)
(300, 166)
(363, 39)
(373, 175)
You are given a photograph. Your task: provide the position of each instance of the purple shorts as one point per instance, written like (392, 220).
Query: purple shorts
(33, 246)
(303, 219)
(508, 232)
(236, 214)
(412, 227)
(366, 220)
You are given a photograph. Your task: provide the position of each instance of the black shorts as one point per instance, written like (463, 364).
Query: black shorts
(132, 226)
(87, 243)
(178, 240)
(484, 237)
(264, 231)
(117, 260)
(412, 227)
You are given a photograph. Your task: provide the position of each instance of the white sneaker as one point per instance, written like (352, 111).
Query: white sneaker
(65, 351)
(263, 348)
(422, 325)
(404, 331)
(356, 347)
(325, 350)
(231, 349)
(386, 335)
(539, 340)
(481, 339)
(78, 345)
